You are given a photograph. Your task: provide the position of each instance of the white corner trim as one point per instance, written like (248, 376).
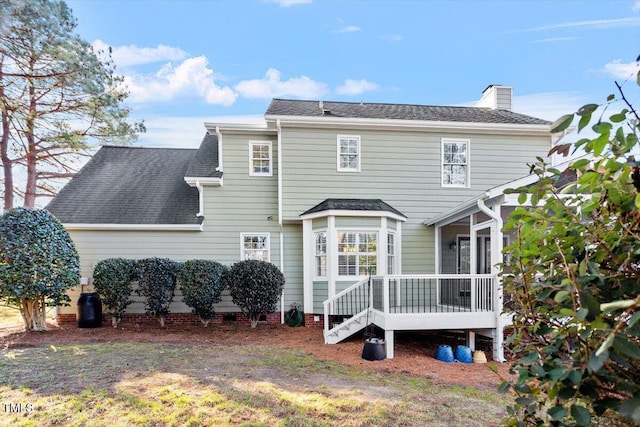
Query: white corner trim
(134, 227)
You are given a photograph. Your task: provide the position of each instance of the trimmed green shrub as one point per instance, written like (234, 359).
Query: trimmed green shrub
(255, 287)
(157, 284)
(112, 280)
(38, 263)
(201, 286)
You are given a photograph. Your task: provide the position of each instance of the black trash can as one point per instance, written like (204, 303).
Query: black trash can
(373, 349)
(89, 310)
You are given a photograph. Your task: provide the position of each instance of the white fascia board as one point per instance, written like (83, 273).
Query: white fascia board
(134, 227)
(324, 121)
(239, 127)
(193, 181)
(342, 213)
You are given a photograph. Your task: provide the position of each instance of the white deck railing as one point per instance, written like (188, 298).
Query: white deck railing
(415, 294)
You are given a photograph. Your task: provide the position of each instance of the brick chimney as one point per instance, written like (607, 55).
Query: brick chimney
(496, 97)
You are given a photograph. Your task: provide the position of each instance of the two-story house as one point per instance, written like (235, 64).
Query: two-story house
(332, 193)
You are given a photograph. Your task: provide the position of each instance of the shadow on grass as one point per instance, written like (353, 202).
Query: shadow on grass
(178, 384)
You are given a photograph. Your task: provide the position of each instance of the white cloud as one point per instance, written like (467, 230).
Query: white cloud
(554, 39)
(125, 56)
(288, 3)
(190, 78)
(548, 105)
(348, 29)
(356, 87)
(636, 6)
(597, 24)
(271, 86)
(184, 132)
(621, 70)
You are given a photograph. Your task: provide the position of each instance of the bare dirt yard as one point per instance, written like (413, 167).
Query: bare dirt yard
(414, 353)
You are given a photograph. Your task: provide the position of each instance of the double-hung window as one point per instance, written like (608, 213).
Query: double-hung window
(255, 246)
(455, 162)
(391, 253)
(348, 153)
(321, 253)
(260, 161)
(357, 253)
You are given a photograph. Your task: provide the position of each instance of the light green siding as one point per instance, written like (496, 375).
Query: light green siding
(403, 168)
(293, 265)
(320, 294)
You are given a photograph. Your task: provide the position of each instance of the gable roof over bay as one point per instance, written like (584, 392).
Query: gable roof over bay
(359, 110)
(130, 185)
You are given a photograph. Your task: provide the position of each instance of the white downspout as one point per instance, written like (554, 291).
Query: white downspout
(220, 156)
(200, 199)
(496, 243)
(278, 127)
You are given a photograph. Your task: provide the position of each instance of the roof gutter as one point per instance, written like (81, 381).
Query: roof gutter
(134, 227)
(326, 121)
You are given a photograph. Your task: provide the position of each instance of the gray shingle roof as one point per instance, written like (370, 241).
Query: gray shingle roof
(205, 162)
(290, 107)
(130, 185)
(353, 205)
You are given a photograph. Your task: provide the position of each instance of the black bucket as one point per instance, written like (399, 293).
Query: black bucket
(89, 310)
(373, 349)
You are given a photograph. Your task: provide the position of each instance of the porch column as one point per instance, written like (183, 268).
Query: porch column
(332, 256)
(497, 243)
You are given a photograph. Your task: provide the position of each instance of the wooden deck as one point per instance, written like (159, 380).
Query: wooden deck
(468, 302)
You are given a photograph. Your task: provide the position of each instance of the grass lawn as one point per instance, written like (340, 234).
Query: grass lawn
(151, 384)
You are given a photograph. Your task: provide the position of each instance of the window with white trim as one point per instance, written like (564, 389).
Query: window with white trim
(321, 253)
(255, 246)
(455, 162)
(391, 253)
(348, 153)
(357, 253)
(260, 161)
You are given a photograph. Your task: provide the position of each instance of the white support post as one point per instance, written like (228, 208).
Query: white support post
(388, 342)
(471, 340)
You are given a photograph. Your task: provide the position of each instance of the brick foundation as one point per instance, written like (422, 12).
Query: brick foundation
(175, 318)
(310, 323)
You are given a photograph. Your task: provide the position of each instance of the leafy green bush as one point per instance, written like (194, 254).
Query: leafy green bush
(574, 277)
(255, 287)
(38, 263)
(112, 279)
(157, 283)
(201, 286)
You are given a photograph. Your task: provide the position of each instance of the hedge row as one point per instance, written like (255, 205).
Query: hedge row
(255, 286)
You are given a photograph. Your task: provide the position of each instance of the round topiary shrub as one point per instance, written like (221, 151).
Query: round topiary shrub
(112, 279)
(157, 284)
(255, 287)
(38, 263)
(201, 286)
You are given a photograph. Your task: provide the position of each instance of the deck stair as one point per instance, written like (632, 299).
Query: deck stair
(348, 327)
(353, 305)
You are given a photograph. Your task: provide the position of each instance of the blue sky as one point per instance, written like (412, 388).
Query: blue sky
(186, 62)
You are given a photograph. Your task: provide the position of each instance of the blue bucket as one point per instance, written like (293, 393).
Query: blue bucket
(444, 353)
(463, 354)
